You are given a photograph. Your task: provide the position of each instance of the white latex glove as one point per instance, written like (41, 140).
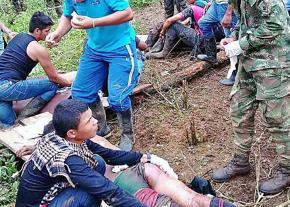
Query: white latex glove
(233, 61)
(233, 49)
(163, 164)
(119, 168)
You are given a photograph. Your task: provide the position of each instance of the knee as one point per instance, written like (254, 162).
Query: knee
(7, 115)
(154, 174)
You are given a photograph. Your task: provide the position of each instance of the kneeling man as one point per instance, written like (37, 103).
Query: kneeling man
(18, 59)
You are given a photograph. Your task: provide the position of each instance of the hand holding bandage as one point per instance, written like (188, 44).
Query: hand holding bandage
(82, 22)
(163, 164)
(233, 49)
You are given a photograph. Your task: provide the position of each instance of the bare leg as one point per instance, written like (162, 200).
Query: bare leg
(173, 188)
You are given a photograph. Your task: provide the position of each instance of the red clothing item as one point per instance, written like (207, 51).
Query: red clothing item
(147, 196)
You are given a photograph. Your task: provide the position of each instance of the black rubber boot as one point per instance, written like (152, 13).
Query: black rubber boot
(100, 114)
(231, 80)
(211, 51)
(34, 106)
(277, 183)
(127, 140)
(239, 165)
(158, 46)
(169, 43)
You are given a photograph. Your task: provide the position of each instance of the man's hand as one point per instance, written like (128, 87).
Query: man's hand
(11, 35)
(52, 39)
(225, 41)
(163, 164)
(233, 49)
(82, 22)
(25, 150)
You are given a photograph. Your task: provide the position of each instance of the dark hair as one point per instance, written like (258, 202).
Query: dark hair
(39, 20)
(66, 116)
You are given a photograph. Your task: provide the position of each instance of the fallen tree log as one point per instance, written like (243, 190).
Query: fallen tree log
(175, 78)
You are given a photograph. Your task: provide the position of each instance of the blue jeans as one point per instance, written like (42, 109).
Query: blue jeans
(73, 197)
(119, 66)
(1, 43)
(21, 90)
(213, 17)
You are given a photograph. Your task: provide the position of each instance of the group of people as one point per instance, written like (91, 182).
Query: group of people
(66, 168)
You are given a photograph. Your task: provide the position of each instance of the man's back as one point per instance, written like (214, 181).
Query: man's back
(15, 64)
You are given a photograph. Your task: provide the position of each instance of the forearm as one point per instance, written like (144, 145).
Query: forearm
(61, 80)
(115, 18)
(165, 27)
(114, 157)
(64, 26)
(4, 28)
(229, 10)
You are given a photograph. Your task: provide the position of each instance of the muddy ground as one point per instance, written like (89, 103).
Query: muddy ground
(162, 126)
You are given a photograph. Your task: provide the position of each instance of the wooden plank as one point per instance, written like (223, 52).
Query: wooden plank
(42, 119)
(15, 138)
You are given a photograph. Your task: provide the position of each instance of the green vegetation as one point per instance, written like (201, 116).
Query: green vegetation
(65, 57)
(8, 185)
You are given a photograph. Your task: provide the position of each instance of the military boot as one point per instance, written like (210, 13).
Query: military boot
(210, 50)
(127, 134)
(168, 46)
(276, 184)
(34, 106)
(239, 165)
(100, 114)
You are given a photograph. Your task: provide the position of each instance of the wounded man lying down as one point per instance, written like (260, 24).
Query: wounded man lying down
(67, 169)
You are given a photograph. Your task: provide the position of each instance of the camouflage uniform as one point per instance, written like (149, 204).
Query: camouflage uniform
(263, 75)
(169, 7)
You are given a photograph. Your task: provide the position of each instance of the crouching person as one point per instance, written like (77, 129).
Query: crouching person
(18, 59)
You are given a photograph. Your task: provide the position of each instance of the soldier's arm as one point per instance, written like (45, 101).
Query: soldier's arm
(273, 23)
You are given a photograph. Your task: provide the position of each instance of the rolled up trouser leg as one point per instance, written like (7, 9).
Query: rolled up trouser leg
(169, 42)
(243, 106)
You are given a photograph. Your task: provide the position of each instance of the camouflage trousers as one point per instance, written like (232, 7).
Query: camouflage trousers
(169, 7)
(269, 90)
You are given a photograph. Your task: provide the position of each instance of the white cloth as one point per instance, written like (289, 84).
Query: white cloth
(233, 61)
(163, 164)
(233, 49)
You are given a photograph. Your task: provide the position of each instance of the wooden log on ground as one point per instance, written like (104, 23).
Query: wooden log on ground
(174, 79)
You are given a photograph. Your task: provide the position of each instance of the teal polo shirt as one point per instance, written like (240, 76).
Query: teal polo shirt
(102, 38)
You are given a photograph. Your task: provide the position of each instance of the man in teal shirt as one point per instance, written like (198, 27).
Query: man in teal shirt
(110, 52)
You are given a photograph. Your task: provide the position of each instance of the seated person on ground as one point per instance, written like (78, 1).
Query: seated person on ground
(22, 53)
(174, 30)
(67, 169)
(7, 31)
(217, 12)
